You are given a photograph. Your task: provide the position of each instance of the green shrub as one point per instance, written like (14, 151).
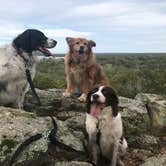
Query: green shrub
(128, 74)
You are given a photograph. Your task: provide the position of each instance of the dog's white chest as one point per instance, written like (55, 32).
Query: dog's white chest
(111, 131)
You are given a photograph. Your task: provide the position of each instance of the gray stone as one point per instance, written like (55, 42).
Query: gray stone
(132, 105)
(134, 115)
(144, 141)
(156, 108)
(17, 126)
(159, 160)
(54, 103)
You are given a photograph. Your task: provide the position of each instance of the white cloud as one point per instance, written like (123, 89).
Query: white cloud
(10, 30)
(103, 9)
(150, 19)
(65, 33)
(124, 13)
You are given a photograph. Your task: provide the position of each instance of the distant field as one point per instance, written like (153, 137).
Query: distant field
(129, 74)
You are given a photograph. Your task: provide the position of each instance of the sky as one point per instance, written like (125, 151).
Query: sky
(115, 25)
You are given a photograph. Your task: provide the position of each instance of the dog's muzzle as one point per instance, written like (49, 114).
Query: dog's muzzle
(50, 43)
(81, 50)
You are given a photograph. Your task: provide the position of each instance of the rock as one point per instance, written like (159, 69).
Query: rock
(17, 126)
(134, 116)
(156, 108)
(144, 141)
(69, 136)
(133, 105)
(159, 160)
(54, 103)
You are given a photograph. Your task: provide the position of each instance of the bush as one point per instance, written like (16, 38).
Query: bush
(128, 74)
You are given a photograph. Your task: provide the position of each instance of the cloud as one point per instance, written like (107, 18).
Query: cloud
(103, 9)
(65, 33)
(10, 30)
(127, 13)
(143, 19)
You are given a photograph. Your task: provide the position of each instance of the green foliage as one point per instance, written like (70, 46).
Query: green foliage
(50, 74)
(129, 74)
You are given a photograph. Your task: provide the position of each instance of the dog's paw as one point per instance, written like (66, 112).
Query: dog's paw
(82, 98)
(66, 94)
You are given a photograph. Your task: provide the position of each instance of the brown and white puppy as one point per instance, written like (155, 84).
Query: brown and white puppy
(106, 143)
(82, 71)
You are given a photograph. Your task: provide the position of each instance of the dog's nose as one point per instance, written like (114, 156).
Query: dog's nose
(81, 47)
(95, 96)
(55, 42)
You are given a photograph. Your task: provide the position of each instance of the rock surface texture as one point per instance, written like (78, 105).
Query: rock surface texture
(144, 120)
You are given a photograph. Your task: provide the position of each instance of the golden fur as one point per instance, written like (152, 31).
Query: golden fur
(82, 71)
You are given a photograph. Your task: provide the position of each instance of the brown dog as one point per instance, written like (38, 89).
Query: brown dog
(82, 71)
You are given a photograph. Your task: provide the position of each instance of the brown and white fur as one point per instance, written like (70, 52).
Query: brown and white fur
(106, 143)
(15, 58)
(82, 71)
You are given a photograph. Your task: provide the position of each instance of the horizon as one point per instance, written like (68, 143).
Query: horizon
(122, 53)
(131, 26)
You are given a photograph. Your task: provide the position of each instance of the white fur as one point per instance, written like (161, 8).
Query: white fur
(91, 124)
(12, 73)
(111, 132)
(100, 94)
(50, 43)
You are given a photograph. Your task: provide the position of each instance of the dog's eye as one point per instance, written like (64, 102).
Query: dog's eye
(43, 42)
(104, 91)
(77, 43)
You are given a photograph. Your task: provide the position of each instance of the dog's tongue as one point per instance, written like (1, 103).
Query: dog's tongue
(95, 110)
(45, 51)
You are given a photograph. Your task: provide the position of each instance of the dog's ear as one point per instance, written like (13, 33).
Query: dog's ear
(88, 101)
(69, 40)
(92, 43)
(29, 40)
(23, 41)
(111, 99)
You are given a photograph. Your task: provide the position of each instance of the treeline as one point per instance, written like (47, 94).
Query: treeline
(128, 74)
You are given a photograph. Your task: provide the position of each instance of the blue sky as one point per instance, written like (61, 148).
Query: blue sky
(115, 25)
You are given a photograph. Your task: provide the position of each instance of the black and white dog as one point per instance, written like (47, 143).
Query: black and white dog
(106, 143)
(15, 59)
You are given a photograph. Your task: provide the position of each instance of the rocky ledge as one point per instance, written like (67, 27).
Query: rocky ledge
(144, 120)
